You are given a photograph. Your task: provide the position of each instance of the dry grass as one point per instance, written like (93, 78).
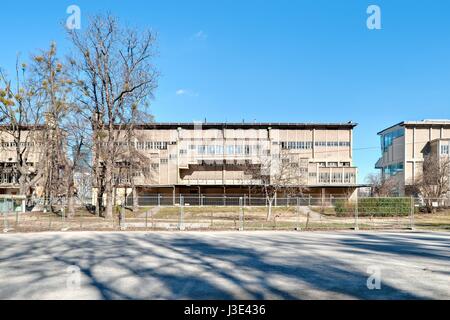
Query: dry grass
(220, 218)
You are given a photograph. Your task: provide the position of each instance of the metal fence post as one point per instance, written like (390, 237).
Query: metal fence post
(122, 223)
(146, 219)
(411, 216)
(356, 215)
(159, 200)
(181, 222)
(241, 215)
(297, 228)
(63, 218)
(5, 222)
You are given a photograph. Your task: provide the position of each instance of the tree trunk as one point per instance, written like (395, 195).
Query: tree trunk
(135, 196)
(70, 206)
(70, 200)
(108, 191)
(269, 209)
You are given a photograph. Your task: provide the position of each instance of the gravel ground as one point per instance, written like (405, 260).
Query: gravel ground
(224, 265)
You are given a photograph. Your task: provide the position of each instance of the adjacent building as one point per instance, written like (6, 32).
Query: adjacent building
(404, 146)
(31, 154)
(214, 158)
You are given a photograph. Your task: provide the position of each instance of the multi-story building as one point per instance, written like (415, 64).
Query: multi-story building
(31, 154)
(404, 146)
(213, 158)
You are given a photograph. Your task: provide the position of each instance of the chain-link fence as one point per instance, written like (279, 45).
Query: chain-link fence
(218, 213)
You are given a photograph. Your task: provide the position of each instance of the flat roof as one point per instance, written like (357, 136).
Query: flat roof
(244, 125)
(421, 123)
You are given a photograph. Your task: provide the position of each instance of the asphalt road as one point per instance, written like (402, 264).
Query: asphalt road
(225, 265)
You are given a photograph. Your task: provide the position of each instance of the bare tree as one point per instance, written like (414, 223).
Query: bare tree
(381, 186)
(50, 77)
(21, 112)
(77, 159)
(115, 77)
(434, 182)
(278, 174)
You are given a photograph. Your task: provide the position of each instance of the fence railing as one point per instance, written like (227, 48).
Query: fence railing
(218, 213)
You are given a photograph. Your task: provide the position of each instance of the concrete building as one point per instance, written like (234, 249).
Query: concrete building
(404, 146)
(212, 158)
(31, 151)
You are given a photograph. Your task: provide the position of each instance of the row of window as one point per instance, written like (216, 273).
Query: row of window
(13, 144)
(334, 164)
(307, 145)
(228, 150)
(336, 177)
(152, 145)
(8, 178)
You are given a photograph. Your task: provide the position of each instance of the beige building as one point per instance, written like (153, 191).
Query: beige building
(213, 158)
(404, 145)
(30, 149)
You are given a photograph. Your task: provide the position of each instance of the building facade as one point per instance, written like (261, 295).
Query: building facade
(214, 158)
(404, 146)
(31, 151)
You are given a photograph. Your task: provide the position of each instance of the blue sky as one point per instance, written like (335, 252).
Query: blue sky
(279, 61)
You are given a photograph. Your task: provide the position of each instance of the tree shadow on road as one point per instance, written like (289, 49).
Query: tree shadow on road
(189, 266)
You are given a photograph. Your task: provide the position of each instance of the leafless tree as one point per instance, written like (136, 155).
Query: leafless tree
(77, 160)
(50, 77)
(381, 186)
(21, 114)
(277, 174)
(115, 77)
(434, 182)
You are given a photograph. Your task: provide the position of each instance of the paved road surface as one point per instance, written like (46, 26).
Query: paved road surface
(224, 265)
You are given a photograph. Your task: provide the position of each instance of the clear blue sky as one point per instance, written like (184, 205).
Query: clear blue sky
(284, 61)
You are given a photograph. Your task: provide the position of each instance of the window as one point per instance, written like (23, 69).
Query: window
(393, 169)
(321, 144)
(230, 150)
(349, 177)
(388, 139)
(201, 149)
(445, 149)
(164, 161)
(183, 151)
(296, 145)
(345, 164)
(324, 177)
(336, 178)
(152, 145)
(332, 164)
(322, 164)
